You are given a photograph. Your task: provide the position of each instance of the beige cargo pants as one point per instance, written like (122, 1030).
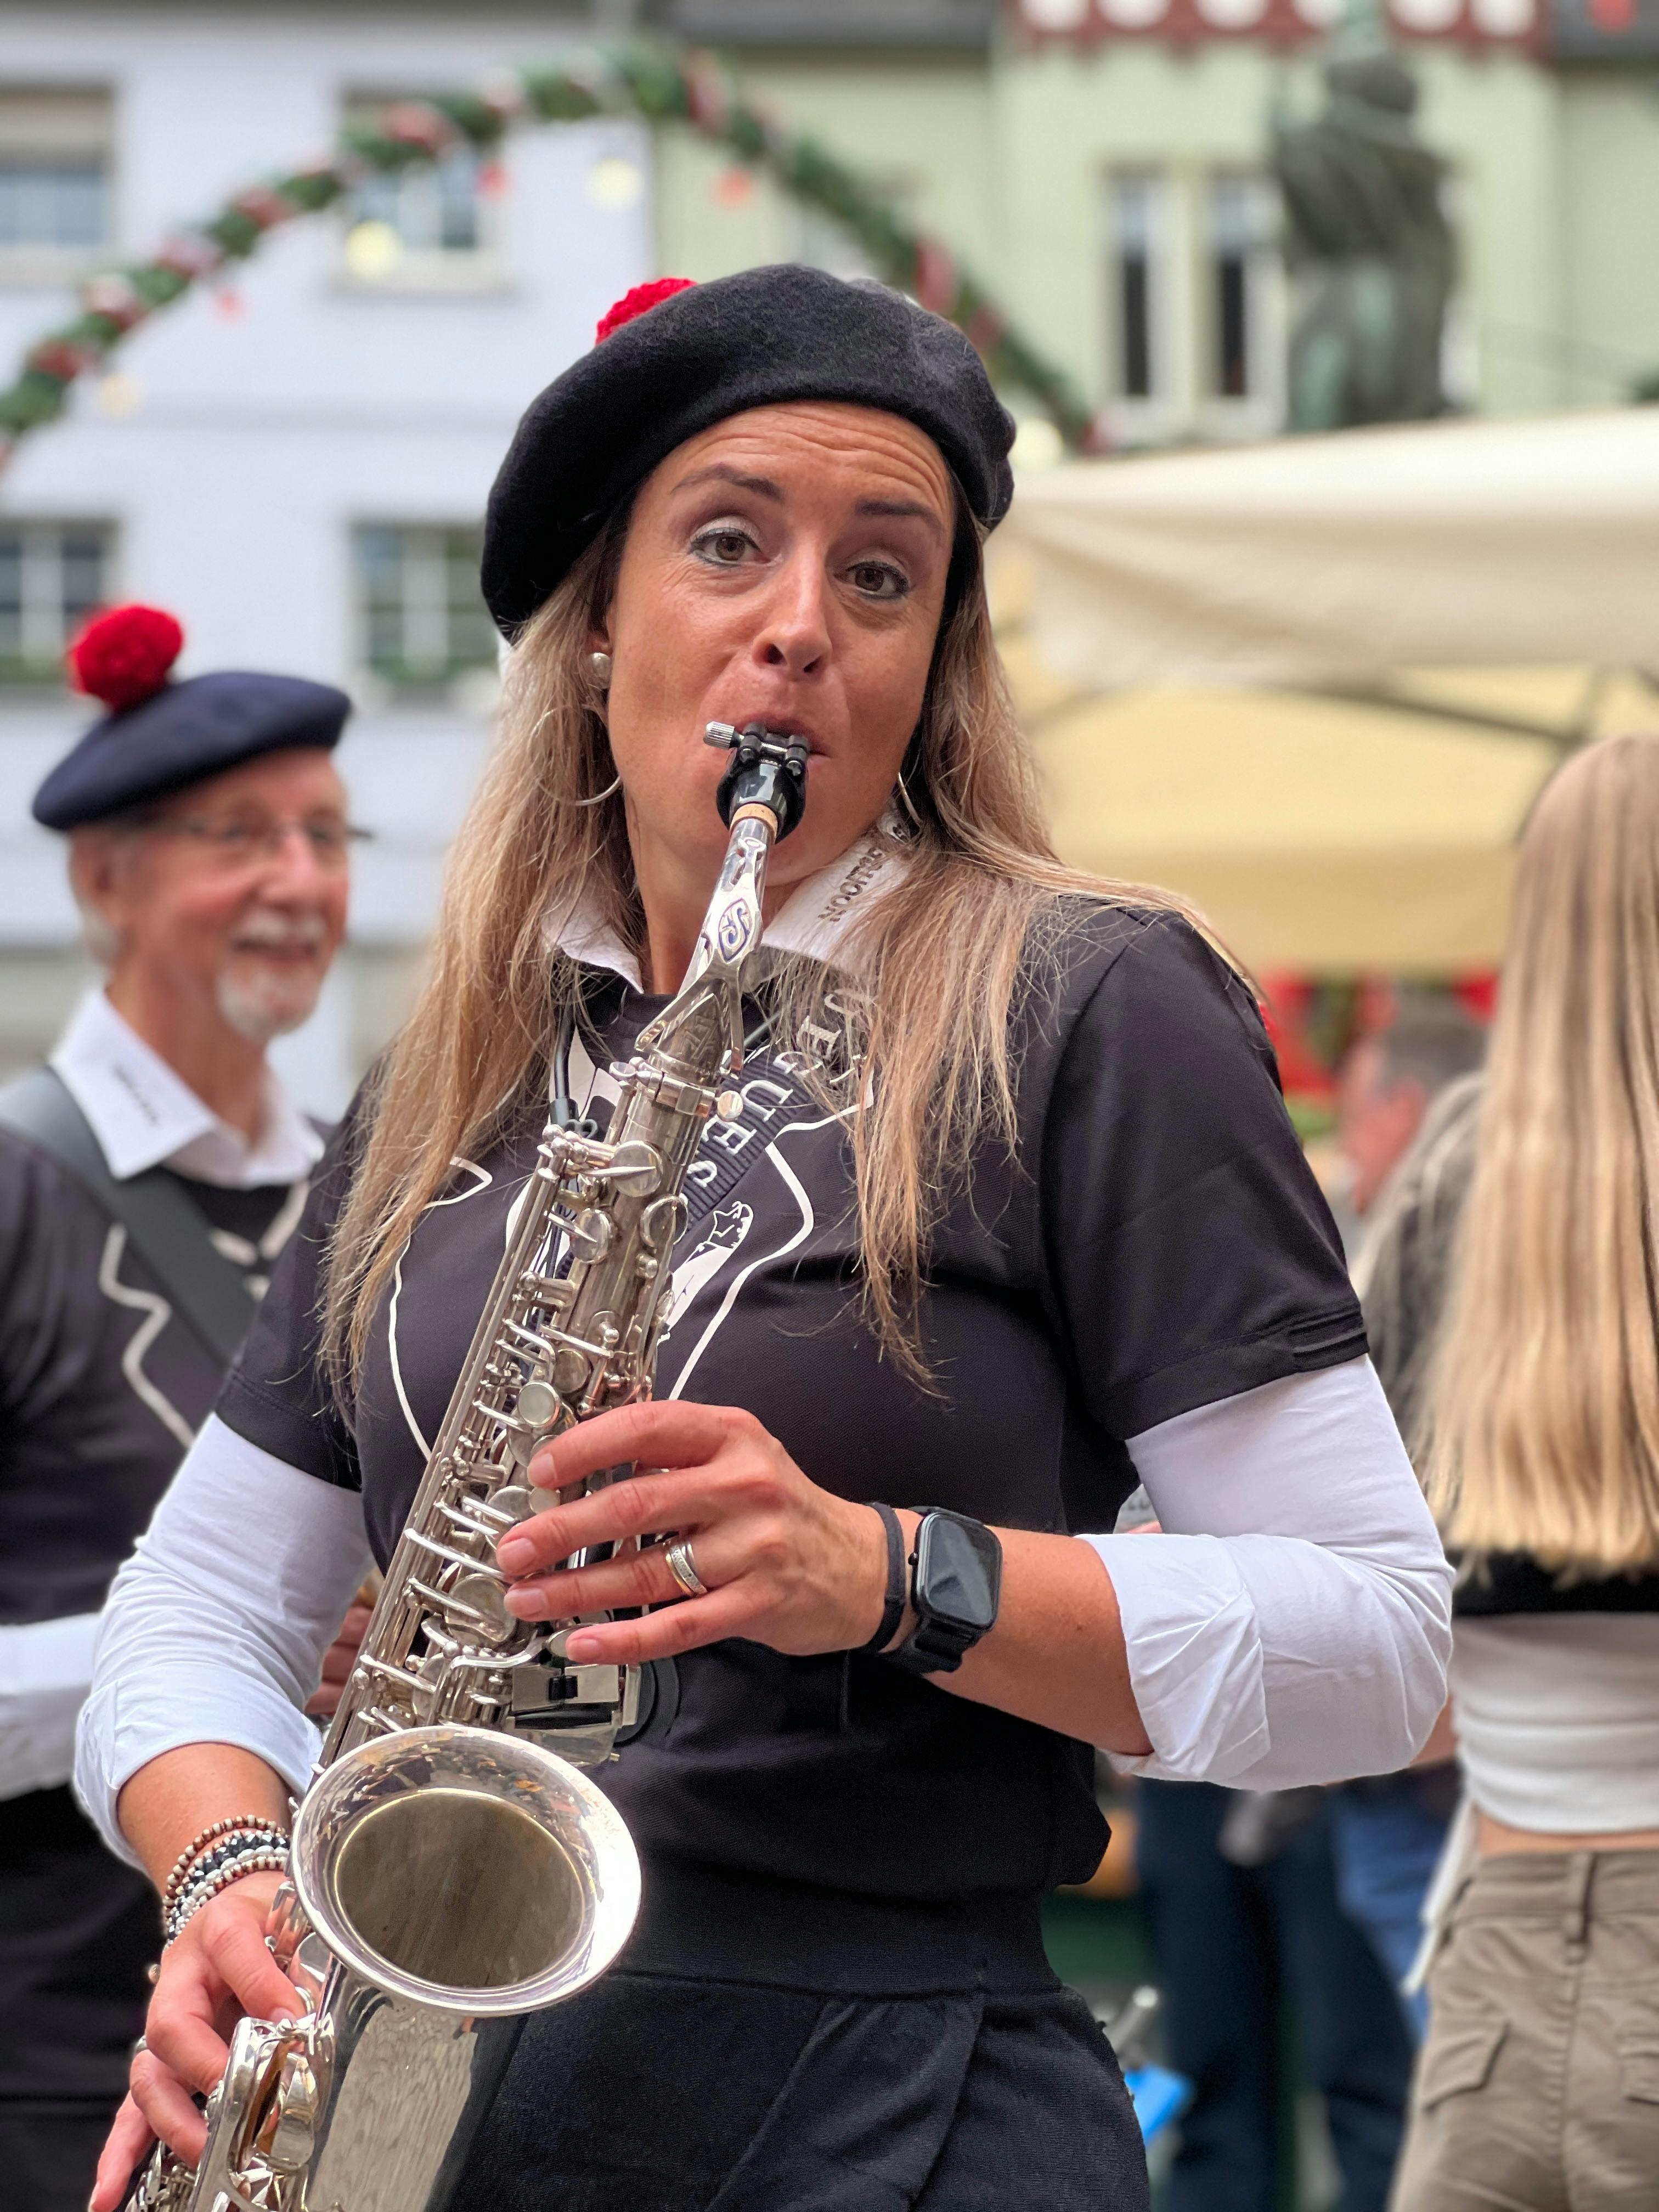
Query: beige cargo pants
(1538, 2088)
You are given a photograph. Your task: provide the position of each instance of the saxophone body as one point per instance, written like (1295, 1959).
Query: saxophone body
(453, 1869)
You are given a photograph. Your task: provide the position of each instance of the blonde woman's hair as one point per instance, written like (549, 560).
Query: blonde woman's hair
(937, 960)
(1543, 1421)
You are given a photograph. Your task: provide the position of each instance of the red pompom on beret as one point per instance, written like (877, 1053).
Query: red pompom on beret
(637, 302)
(124, 655)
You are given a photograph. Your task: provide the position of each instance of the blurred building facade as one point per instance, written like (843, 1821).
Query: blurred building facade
(1106, 164)
(297, 465)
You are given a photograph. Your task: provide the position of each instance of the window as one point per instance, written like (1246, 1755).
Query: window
(1140, 223)
(55, 150)
(1134, 287)
(1244, 311)
(47, 202)
(1195, 287)
(53, 576)
(421, 616)
(433, 226)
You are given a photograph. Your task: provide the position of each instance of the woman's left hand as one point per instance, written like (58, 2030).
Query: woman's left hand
(784, 1563)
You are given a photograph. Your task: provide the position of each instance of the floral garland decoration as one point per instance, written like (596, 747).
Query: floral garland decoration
(660, 88)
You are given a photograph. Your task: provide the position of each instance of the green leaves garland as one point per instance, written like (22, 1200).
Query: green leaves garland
(658, 88)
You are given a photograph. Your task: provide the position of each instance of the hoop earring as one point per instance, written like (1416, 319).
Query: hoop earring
(902, 793)
(611, 789)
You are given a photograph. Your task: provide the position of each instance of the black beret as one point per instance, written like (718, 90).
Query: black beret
(758, 339)
(181, 733)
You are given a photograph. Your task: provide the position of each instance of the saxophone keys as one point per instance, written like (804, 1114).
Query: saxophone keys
(570, 1371)
(590, 1234)
(635, 1170)
(539, 1404)
(514, 1502)
(480, 1598)
(661, 1222)
(292, 2134)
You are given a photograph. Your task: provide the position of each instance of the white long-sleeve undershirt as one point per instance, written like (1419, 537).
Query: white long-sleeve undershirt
(216, 1628)
(1291, 1624)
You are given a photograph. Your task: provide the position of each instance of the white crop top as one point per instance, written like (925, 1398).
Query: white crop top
(1558, 1719)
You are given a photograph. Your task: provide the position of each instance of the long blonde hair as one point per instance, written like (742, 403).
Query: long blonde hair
(1543, 1424)
(939, 963)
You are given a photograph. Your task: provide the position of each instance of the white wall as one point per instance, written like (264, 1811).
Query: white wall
(260, 435)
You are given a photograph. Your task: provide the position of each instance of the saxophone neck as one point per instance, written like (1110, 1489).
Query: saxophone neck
(762, 796)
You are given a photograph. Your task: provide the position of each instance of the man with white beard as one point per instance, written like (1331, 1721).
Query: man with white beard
(147, 1179)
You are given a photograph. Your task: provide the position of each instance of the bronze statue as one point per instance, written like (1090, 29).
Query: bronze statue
(1369, 249)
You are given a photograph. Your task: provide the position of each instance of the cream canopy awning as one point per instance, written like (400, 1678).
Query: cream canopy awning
(1457, 604)
(1339, 560)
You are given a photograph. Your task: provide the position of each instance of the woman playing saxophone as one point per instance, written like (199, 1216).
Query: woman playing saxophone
(1003, 1214)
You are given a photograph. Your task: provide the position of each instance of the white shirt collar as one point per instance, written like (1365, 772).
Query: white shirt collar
(813, 920)
(145, 1115)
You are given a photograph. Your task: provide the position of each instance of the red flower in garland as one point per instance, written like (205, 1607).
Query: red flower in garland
(642, 298)
(124, 656)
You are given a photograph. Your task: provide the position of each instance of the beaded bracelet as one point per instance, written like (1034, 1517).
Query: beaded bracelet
(254, 1858)
(253, 1823)
(225, 1850)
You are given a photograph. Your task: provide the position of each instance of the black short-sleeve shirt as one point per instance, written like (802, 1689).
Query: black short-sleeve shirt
(1154, 1242)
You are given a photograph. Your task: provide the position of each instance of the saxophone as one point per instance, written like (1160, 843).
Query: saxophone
(450, 1872)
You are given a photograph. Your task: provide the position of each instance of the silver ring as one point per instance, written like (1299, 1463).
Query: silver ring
(140, 2045)
(683, 1567)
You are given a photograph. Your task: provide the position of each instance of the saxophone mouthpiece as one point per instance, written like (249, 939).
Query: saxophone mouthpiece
(766, 770)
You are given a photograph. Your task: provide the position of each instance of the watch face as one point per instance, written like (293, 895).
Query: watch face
(959, 1572)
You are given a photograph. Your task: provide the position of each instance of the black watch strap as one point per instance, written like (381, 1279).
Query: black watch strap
(898, 1582)
(939, 1644)
(934, 1648)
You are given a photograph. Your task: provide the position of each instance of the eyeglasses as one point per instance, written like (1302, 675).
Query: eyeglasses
(238, 844)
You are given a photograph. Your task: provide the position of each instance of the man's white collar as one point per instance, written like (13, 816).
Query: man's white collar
(144, 1115)
(813, 920)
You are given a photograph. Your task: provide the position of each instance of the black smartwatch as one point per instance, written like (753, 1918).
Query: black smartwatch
(955, 1581)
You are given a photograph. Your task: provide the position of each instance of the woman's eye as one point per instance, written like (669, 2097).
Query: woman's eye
(725, 546)
(879, 579)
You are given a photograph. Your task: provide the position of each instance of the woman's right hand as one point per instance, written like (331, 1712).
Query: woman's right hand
(219, 1968)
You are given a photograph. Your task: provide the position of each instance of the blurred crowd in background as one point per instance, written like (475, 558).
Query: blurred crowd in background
(1176, 227)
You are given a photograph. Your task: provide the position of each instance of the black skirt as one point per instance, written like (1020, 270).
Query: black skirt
(649, 2093)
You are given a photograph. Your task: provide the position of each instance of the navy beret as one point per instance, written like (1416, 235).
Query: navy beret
(181, 733)
(761, 338)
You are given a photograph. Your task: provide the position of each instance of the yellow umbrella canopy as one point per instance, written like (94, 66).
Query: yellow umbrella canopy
(1325, 836)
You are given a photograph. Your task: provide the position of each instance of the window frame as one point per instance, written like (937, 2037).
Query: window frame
(1164, 410)
(401, 679)
(446, 271)
(1260, 409)
(26, 673)
(41, 124)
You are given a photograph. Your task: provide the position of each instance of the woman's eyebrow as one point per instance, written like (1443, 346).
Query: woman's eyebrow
(902, 506)
(762, 486)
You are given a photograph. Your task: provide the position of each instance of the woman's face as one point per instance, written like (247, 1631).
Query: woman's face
(788, 567)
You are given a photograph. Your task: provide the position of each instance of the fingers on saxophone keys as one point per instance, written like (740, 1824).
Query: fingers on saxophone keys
(664, 1432)
(640, 1579)
(167, 2106)
(643, 1506)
